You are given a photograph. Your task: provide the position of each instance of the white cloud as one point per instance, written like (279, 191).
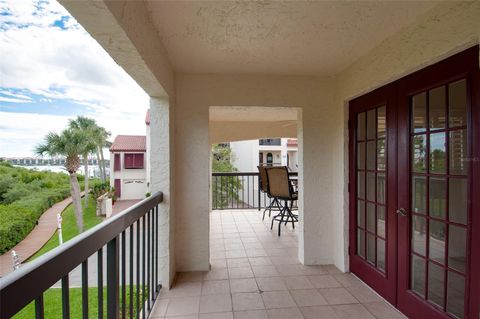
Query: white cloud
(20, 133)
(40, 58)
(13, 100)
(15, 95)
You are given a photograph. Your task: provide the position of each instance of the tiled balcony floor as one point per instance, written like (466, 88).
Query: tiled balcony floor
(256, 274)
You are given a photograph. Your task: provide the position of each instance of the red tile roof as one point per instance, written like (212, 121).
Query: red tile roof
(292, 142)
(129, 143)
(147, 117)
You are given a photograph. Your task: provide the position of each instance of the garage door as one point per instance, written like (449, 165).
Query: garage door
(134, 189)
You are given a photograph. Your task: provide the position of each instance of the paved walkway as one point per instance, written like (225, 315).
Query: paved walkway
(121, 205)
(47, 225)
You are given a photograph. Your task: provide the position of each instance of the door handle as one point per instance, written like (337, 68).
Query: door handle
(402, 211)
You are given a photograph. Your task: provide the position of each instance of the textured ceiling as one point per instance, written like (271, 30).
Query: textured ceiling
(307, 38)
(252, 114)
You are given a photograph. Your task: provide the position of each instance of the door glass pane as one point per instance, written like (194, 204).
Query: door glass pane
(457, 103)
(381, 121)
(418, 275)
(457, 200)
(371, 186)
(437, 108)
(381, 188)
(457, 247)
(380, 254)
(419, 163)
(371, 217)
(419, 235)
(437, 197)
(361, 185)
(371, 153)
(381, 158)
(360, 243)
(419, 112)
(455, 294)
(371, 248)
(437, 153)
(361, 213)
(361, 155)
(419, 194)
(371, 124)
(436, 249)
(436, 281)
(458, 152)
(381, 221)
(361, 126)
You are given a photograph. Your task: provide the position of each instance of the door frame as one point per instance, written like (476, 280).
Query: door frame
(461, 65)
(380, 282)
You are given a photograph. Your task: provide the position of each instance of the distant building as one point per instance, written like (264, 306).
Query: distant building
(128, 173)
(271, 151)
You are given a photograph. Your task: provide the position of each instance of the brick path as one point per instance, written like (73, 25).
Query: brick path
(47, 225)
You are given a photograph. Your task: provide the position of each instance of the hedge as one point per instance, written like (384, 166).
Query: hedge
(19, 218)
(24, 196)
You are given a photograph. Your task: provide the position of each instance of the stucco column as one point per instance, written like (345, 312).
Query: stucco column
(192, 151)
(161, 170)
(283, 151)
(316, 231)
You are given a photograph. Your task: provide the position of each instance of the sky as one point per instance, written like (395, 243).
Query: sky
(52, 70)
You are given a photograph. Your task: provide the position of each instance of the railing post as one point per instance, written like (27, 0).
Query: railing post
(39, 307)
(259, 193)
(112, 279)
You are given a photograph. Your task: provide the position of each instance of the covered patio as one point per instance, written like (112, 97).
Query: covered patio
(381, 93)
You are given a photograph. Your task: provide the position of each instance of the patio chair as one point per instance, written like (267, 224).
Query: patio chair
(274, 203)
(280, 188)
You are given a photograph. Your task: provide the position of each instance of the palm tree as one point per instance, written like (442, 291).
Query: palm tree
(71, 143)
(101, 136)
(89, 126)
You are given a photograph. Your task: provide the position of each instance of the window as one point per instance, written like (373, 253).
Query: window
(116, 165)
(132, 160)
(269, 158)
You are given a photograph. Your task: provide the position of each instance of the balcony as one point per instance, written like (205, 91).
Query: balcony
(270, 142)
(253, 272)
(116, 259)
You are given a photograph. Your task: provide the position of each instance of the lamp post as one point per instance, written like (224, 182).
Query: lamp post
(59, 228)
(15, 260)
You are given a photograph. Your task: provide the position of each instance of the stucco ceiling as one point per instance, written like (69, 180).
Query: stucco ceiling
(276, 37)
(252, 114)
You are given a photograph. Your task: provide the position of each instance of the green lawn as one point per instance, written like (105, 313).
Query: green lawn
(53, 296)
(69, 226)
(53, 304)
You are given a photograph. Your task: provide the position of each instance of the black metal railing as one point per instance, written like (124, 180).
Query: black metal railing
(129, 288)
(270, 141)
(239, 190)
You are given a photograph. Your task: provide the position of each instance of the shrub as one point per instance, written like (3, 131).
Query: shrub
(100, 188)
(15, 224)
(24, 196)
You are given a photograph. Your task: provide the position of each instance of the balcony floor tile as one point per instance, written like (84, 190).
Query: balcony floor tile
(257, 275)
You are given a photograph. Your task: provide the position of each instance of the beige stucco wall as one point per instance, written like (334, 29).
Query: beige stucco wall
(221, 132)
(163, 180)
(195, 95)
(322, 131)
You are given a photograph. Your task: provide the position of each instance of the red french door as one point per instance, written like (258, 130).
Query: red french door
(429, 218)
(373, 247)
